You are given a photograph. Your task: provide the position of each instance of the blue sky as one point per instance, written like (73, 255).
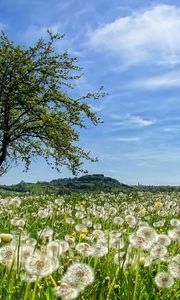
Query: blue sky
(132, 48)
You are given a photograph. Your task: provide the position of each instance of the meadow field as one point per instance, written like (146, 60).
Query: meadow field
(90, 246)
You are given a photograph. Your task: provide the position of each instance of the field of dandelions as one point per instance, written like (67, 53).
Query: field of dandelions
(91, 246)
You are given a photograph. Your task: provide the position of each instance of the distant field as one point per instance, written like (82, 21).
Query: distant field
(90, 246)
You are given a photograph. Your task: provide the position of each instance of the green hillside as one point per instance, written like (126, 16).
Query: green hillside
(86, 183)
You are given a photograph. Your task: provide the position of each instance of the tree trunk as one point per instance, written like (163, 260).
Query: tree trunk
(3, 151)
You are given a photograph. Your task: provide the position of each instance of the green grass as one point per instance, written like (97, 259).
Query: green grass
(133, 281)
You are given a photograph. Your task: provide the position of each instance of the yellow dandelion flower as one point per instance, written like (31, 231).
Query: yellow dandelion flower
(6, 237)
(142, 211)
(158, 204)
(82, 235)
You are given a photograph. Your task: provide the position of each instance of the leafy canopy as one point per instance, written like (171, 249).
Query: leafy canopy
(38, 117)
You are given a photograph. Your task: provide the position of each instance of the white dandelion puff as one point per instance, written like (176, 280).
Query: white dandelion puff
(100, 250)
(158, 251)
(174, 234)
(164, 280)
(163, 239)
(175, 222)
(118, 221)
(40, 265)
(174, 269)
(85, 249)
(147, 233)
(66, 292)
(54, 249)
(118, 258)
(79, 276)
(7, 254)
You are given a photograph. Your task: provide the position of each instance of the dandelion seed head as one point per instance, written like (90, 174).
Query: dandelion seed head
(40, 265)
(79, 276)
(174, 269)
(66, 292)
(164, 280)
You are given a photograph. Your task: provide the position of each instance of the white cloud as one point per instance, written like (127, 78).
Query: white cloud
(126, 139)
(167, 80)
(171, 129)
(132, 121)
(157, 156)
(144, 36)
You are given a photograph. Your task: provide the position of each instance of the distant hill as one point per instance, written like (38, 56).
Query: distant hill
(86, 183)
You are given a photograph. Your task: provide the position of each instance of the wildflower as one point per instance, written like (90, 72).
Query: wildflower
(40, 265)
(79, 215)
(165, 258)
(163, 239)
(64, 246)
(6, 237)
(159, 224)
(176, 258)
(85, 249)
(54, 249)
(24, 252)
(14, 221)
(131, 220)
(158, 205)
(70, 221)
(98, 233)
(7, 254)
(158, 251)
(20, 223)
(97, 226)
(147, 261)
(15, 201)
(66, 292)
(43, 213)
(118, 220)
(148, 233)
(118, 258)
(174, 269)
(174, 234)
(164, 280)
(112, 210)
(138, 242)
(70, 240)
(175, 222)
(81, 228)
(142, 211)
(100, 250)
(79, 276)
(31, 242)
(87, 222)
(142, 223)
(117, 243)
(46, 234)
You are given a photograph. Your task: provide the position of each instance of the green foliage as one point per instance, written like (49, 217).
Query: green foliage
(38, 117)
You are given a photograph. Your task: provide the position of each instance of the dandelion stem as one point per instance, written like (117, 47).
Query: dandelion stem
(137, 275)
(35, 289)
(112, 284)
(26, 295)
(53, 281)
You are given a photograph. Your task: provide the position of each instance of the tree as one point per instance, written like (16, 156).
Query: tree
(38, 117)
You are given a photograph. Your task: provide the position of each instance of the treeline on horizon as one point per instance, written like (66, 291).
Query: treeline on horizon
(83, 184)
